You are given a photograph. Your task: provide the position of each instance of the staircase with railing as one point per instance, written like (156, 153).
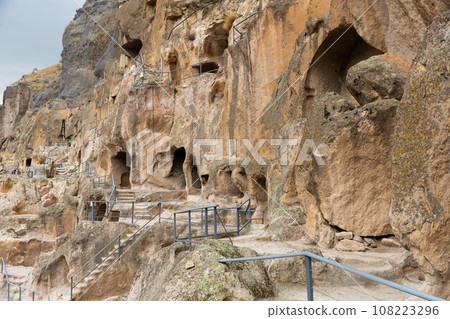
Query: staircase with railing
(209, 217)
(20, 290)
(98, 264)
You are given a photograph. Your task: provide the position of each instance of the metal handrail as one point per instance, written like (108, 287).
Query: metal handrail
(72, 285)
(165, 76)
(309, 282)
(242, 34)
(182, 22)
(4, 270)
(205, 224)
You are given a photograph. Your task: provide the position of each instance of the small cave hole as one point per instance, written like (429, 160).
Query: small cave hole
(208, 67)
(120, 170)
(204, 179)
(133, 47)
(177, 173)
(195, 178)
(261, 188)
(28, 162)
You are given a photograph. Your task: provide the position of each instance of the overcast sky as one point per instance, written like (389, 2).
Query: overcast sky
(31, 36)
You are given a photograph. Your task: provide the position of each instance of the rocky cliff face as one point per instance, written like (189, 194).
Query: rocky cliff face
(19, 97)
(420, 194)
(348, 85)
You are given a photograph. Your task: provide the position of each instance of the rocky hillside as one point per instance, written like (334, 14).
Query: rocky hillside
(356, 95)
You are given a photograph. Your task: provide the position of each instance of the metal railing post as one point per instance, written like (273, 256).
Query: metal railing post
(309, 279)
(8, 292)
(190, 234)
(20, 293)
(215, 222)
(237, 221)
(33, 295)
(119, 249)
(87, 211)
(201, 68)
(159, 213)
(206, 222)
(201, 219)
(132, 213)
(71, 288)
(92, 212)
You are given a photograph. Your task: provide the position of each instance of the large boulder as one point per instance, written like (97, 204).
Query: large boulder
(379, 77)
(172, 274)
(420, 179)
(351, 190)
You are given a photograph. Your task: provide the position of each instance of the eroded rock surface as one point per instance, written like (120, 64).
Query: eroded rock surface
(420, 193)
(311, 72)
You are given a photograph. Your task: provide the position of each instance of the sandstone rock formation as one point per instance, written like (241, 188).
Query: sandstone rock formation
(420, 194)
(362, 104)
(19, 97)
(175, 275)
(377, 78)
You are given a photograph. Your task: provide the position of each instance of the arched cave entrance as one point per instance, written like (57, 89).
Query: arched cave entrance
(133, 47)
(120, 170)
(176, 173)
(261, 189)
(331, 62)
(125, 180)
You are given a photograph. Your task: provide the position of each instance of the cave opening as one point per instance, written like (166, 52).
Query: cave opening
(208, 67)
(205, 179)
(217, 41)
(99, 211)
(28, 162)
(197, 184)
(177, 173)
(133, 47)
(261, 188)
(120, 170)
(340, 51)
